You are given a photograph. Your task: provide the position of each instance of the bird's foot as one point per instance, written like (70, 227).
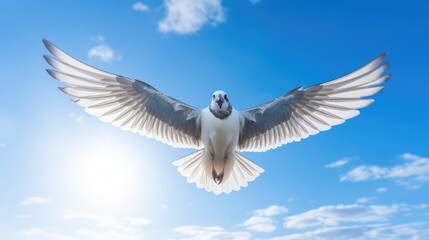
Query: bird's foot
(218, 178)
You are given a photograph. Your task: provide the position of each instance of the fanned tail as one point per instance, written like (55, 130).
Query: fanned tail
(197, 168)
(191, 165)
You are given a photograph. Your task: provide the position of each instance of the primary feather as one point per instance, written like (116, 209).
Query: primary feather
(303, 112)
(127, 103)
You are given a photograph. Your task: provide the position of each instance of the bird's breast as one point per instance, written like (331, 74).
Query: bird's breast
(220, 133)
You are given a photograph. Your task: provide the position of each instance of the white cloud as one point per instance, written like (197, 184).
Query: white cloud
(365, 200)
(262, 219)
(363, 173)
(163, 206)
(333, 215)
(422, 206)
(139, 6)
(111, 234)
(98, 38)
(70, 215)
(108, 227)
(414, 231)
(210, 233)
(37, 232)
(77, 118)
(413, 173)
(255, 1)
(138, 221)
(102, 52)
(186, 17)
(260, 224)
(356, 222)
(271, 211)
(339, 163)
(381, 189)
(35, 201)
(84, 234)
(100, 220)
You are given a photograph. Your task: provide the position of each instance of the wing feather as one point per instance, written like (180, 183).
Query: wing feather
(305, 112)
(130, 104)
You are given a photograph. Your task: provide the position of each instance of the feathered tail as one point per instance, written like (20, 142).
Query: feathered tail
(197, 168)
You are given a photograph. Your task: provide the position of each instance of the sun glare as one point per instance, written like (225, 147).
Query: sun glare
(106, 175)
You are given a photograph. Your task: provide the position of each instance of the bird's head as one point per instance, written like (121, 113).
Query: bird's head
(220, 105)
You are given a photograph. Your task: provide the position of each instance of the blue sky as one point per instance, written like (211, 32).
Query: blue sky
(66, 175)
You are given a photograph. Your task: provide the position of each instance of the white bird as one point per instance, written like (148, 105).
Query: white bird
(219, 131)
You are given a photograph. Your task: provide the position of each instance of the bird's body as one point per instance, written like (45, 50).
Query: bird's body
(218, 132)
(220, 137)
(218, 167)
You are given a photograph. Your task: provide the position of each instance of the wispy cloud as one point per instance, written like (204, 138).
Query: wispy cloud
(77, 118)
(333, 215)
(415, 231)
(139, 6)
(2, 145)
(196, 232)
(186, 17)
(112, 234)
(100, 220)
(331, 222)
(271, 211)
(70, 215)
(381, 189)
(98, 38)
(262, 219)
(102, 51)
(339, 163)
(255, 1)
(135, 221)
(106, 227)
(80, 234)
(163, 206)
(37, 232)
(355, 221)
(260, 224)
(412, 174)
(35, 201)
(365, 200)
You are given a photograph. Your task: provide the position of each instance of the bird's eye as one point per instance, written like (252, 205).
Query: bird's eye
(213, 96)
(226, 97)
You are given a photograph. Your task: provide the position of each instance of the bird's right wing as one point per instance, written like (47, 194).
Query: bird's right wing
(130, 104)
(307, 111)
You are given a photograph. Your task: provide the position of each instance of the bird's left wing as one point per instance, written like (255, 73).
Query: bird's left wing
(307, 111)
(130, 104)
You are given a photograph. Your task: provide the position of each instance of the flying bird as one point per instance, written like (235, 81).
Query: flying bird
(218, 132)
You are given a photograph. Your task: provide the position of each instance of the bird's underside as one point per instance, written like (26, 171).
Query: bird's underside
(218, 132)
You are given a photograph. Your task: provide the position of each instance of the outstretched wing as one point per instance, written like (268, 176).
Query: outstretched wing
(307, 111)
(130, 104)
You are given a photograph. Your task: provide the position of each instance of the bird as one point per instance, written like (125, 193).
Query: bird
(219, 132)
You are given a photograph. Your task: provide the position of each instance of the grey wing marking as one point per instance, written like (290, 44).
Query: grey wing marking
(130, 104)
(303, 112)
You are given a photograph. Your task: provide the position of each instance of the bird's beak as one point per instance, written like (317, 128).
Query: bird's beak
(220, 102)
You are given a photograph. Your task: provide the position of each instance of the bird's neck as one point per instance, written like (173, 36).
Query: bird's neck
(221, 114)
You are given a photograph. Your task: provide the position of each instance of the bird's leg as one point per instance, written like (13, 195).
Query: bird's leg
(217, 178)
(220, 178)
(214, 176)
